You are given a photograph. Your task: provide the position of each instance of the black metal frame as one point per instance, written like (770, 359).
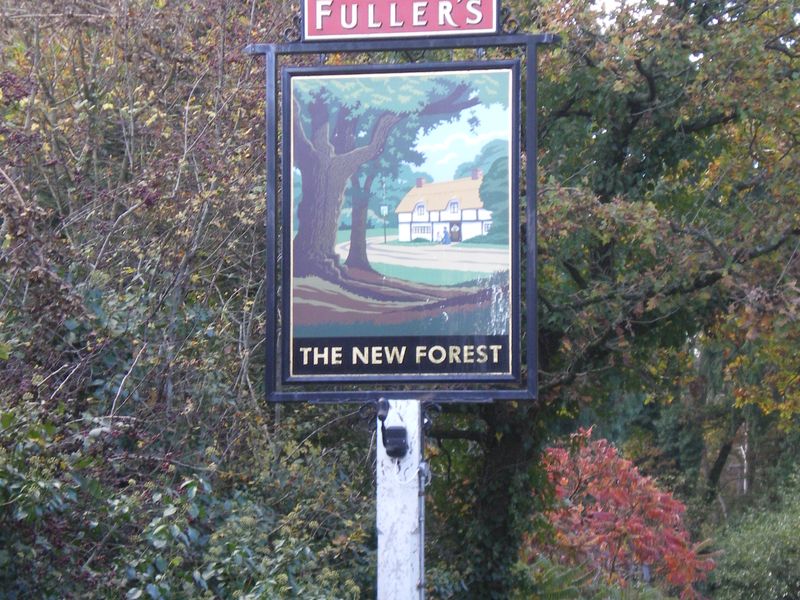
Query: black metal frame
(421, 389)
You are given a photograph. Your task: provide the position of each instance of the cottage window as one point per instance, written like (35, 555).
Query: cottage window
(420, 209)
(421, 230)
(453, 207)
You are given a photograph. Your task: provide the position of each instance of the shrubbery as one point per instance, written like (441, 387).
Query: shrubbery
(759, 555)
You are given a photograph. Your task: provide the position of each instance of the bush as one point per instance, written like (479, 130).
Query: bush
(617, 522)
(760, 554)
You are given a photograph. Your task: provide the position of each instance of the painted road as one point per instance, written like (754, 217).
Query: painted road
(455, 257)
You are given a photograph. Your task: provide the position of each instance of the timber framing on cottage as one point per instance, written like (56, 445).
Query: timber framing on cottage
(447, 211)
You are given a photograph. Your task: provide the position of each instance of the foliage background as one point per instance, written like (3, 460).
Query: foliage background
(136, 453)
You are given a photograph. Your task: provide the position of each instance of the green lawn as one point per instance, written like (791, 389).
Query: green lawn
(428, 276)
(343, 235)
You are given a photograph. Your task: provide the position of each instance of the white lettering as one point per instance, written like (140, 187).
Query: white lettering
(455, 355)
(371, 22)
(418, 14)
(495, 348)
(336, 355)
(323, 10)
(377, 355)
(393, 20)
(474, 8)
(360, 355)
(446, 14)
(353, 16)
(305, 352)
(482, 356)
(320, 355)
(469, 351)
(440, 354)
(395, 354)
(421, 350)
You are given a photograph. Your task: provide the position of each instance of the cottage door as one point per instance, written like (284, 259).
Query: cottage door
(455, 232)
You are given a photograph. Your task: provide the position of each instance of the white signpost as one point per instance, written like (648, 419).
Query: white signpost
(401, 507)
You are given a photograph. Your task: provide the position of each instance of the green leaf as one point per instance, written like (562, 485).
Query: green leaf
(153, 591)
(198, 579)
(5, 351)
(160, 563)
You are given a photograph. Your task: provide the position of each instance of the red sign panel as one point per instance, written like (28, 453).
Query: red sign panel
(359, 19)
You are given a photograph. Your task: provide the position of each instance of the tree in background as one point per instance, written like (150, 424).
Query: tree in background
(615, 521)
(668, 196)
(494, 195)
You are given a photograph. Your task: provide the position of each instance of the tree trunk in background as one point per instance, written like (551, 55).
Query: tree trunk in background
(357, 256)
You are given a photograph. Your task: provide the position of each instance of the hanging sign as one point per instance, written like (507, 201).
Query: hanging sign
(364, 19)
(426, 292)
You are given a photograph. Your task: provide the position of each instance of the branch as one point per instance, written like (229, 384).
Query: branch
(458, 434)
(597, 347)
(380, 134)
(741, 257)
(648, 76)
(703, 236)
(711, 120)
(450, 103)
(700, 281)
(300, 141)
(575, 274)
(782, 49)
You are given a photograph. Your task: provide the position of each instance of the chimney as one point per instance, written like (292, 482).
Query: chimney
(476, 173)
(420, 181)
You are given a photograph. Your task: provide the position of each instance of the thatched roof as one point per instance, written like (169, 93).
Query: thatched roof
(436, 196)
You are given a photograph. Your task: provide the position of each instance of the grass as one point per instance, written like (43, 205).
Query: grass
(429, 276)
(343, 235)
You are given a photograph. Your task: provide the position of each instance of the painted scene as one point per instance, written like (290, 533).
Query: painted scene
(401, 203)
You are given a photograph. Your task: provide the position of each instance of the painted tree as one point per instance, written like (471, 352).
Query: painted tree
(494, 192)
(399, 149)
(342, 125)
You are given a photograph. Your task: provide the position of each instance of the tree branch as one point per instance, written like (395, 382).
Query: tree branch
(458, 434)
(649, 78)
(300, 141)
(451, 103)
(707, 122)
(380, 134)
(597, 347)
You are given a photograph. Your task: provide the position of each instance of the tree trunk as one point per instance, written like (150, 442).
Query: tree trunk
(715, 473)
(357, 256)
(324, 175)
(318, 218)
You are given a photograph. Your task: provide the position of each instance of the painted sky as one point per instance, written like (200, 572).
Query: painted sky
(451, 144)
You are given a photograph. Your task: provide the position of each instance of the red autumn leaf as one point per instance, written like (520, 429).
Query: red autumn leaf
(616, 520)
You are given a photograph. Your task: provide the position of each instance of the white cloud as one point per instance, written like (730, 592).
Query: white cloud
(451, 144)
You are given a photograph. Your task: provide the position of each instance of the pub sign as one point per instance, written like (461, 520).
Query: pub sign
(437, 146)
